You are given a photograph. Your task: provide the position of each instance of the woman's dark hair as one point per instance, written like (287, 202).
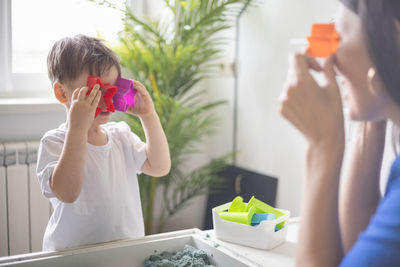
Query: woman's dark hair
(378, 18)
(381, 38)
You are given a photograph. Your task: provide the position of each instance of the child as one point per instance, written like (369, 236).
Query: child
(87, 166)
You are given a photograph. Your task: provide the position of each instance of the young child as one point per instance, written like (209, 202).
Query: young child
(87, 166)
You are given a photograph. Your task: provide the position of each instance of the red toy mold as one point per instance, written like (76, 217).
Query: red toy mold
(108, 91)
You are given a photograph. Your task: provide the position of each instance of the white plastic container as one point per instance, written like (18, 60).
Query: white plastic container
(262, 236)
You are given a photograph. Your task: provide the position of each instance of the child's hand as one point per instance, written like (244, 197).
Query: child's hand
(143, 102)
(83, 107)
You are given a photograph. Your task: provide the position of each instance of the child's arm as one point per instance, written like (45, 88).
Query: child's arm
(67, 179)
(158, 161)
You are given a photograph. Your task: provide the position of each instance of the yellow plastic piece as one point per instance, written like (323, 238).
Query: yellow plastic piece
(237, 205)
(238, 217)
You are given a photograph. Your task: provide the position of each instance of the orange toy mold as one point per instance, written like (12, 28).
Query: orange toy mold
(324, 40)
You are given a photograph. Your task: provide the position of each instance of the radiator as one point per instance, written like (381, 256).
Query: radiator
(24, 211)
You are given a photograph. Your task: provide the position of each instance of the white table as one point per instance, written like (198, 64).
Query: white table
(133, 252)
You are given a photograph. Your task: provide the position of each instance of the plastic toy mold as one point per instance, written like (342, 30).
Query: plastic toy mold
(251, 213)
(115, 97)
(108, 92)
(324, 40)
(258, 218)
(239, 217)
(125, 95)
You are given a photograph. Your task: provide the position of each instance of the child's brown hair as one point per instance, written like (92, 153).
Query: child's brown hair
(71, 55)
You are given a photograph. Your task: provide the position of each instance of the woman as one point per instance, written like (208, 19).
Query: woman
(353, 227)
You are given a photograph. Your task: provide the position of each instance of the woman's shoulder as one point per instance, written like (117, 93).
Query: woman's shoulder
(379, 244)
(396, 163)
(387, 215)
(384, 226)
(393, 182)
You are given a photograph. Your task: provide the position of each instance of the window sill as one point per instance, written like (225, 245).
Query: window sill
(27, 105)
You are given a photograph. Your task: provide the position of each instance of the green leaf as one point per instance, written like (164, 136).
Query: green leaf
(179, 52)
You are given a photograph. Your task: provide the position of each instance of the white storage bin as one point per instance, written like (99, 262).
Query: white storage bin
(262, 236)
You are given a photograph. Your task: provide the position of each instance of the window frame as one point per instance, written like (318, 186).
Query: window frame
(27, 85)
(5, 47)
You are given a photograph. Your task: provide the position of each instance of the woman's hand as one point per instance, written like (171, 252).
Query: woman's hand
(143, 103)
(315, 111)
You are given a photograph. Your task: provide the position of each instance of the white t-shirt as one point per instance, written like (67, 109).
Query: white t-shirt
(108, 207)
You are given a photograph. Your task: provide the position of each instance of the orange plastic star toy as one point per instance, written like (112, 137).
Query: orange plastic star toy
(108, 91)
(324, 40)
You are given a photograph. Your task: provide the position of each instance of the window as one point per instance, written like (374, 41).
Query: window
(32, 27)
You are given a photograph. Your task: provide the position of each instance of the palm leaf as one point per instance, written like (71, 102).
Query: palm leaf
(170, 58)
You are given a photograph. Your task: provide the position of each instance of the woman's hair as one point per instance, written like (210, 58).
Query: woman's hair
(381, 38)
(71, 55)
(379, 18)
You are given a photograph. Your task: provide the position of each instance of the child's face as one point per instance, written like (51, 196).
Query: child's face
(109, 77)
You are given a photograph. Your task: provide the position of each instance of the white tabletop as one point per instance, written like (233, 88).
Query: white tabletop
(132, 252)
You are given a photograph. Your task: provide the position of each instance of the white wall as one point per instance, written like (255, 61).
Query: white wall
(266, 142)
(23, 126)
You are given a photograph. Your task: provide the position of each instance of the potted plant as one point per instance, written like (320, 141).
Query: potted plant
(170, 58)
